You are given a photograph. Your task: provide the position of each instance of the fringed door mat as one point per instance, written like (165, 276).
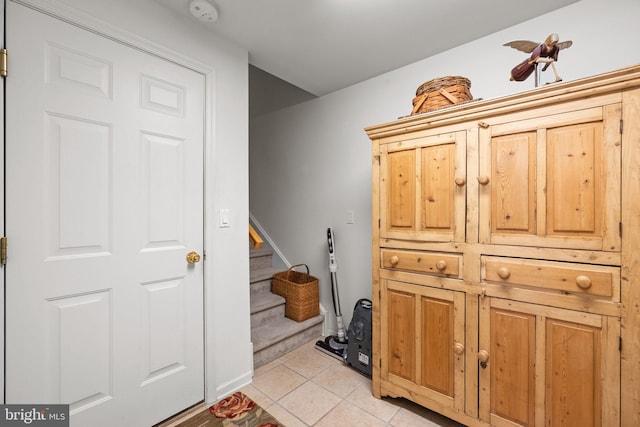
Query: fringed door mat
(235, 410)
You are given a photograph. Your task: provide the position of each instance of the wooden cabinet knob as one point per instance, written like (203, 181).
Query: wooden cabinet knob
(441, 265)
(504, 273)
(583, 282)
(394, 260)
(483, 180)
(460, 182)
(458, 348)
(483, 356)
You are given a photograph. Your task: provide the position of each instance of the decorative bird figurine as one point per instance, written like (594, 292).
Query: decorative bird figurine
(546, 52)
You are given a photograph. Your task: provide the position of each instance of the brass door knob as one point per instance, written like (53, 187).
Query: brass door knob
(193, 257)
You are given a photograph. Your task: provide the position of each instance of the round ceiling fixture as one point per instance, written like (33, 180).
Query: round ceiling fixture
(203, 10)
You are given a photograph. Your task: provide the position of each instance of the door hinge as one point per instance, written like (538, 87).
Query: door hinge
(3, 62)
(620, 343)
(620, 126)
(3, 250)
(620, 228)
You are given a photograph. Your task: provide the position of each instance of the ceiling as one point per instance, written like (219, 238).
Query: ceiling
(304, 48)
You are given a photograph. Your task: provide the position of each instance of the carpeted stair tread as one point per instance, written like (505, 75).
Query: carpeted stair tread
(261, 274)
(264, 301)
(260, 258)
(253, 253)
(279, 330)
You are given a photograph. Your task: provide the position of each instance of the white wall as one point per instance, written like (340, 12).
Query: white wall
(310, 163)
(229, 357)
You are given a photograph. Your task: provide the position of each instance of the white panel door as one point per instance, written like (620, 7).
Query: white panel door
(104, 196)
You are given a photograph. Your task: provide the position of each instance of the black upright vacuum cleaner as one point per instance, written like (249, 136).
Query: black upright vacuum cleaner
(335, 345)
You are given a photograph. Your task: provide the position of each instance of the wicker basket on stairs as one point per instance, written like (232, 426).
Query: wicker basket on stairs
(300, 290)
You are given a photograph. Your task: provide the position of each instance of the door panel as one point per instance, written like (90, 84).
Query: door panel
(78, 188)
(574, 161)
(80, 332)
(401, 344)
(104, 201)
(548, 366)
(573, 364)
(423, 341)
(437, 345)
(553, 181)
(513, 177)
(423, 188)
(438, 187)
(513, 360)
(402, 193)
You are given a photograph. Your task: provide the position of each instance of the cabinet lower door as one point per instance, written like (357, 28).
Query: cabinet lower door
(543, 366)
(423, 342)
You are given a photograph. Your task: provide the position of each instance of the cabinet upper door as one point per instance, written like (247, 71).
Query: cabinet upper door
(552, 180)
(423, 188)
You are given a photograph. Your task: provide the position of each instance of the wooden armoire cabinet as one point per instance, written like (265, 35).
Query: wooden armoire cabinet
(506, 256)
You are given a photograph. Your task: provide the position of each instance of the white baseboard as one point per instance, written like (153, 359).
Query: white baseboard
(231, 387)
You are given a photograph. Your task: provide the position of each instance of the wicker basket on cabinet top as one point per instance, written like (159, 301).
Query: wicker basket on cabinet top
(441, 92)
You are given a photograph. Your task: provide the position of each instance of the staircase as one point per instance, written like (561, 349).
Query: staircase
(272, 334)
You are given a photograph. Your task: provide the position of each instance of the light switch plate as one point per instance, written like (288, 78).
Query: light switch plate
(225, 221)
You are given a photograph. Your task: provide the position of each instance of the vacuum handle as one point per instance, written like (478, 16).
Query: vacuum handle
(330, 241)
(333, 264)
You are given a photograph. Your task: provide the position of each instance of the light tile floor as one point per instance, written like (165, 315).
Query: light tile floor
(309, 388)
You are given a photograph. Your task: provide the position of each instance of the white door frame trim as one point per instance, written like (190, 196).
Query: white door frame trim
(2, 232)
(90, 23)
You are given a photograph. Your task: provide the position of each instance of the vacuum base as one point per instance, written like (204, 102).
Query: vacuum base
(333, 347)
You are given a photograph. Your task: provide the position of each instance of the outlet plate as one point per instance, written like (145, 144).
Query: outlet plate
(351, 217)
